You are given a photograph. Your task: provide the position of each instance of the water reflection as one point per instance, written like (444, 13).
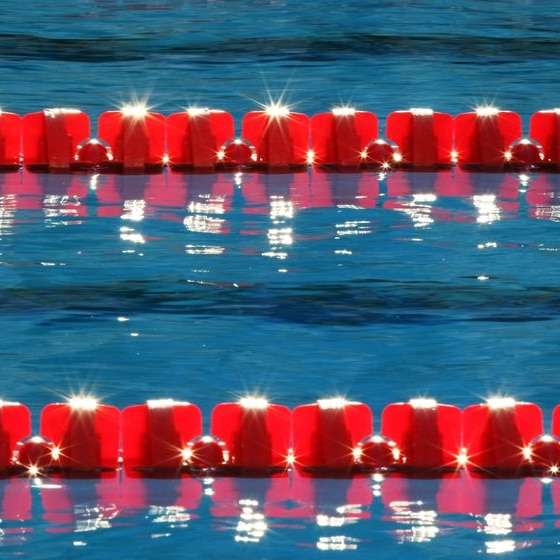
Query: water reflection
(354, 190)
(326, 514)
(240, 232)
(543, 196)
(427, 197)
(419, 208)
(207, 200)
(337, 542)
(252, 525)
(80, 506)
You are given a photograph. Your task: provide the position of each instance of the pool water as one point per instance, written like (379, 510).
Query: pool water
(217, 285)
(292, 286)
(378, 287)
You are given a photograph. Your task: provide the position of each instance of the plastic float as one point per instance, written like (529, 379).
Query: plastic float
(497, 435)
(136, 137)
(165, 436)
(81, 436)
(545, 129)
(482, 137)
(345, 139)
(199, 139)
(276, 139)
(280, 137)
(426, 433)
(424, 138)
(156, 434)
(10, 141)
(330, 438)
(327, 432)
(490, 139)
(51, 138)
(15, 425)
(256, 435)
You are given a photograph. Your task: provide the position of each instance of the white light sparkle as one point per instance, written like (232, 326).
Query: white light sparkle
(253, 403)
(486, 111)
(83, 403)
(335, 403)
(497, 403)
(422, 403)
(343, 111)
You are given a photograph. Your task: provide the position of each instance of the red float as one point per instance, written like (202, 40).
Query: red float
(195, 138)
(543, 454)
(93, 154)
(10, 141)
(237, 153)
(378, 453)
(206, 452)
(427, 434)
(280, 137)
(423, 136)
(331, 189)
(483, 137)
(497, 434)
(156, 434)
(256, 434)
(85, 435)
(523, 154)
(35, 455)
(327, 433)
(339, 138)
(15, 425)
(332, 437)
(136, 137)
(382, 155)
(546, 450)
(51, 138)
(544, 128)
(136, 140)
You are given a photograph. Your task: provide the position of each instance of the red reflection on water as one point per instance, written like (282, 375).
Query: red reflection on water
(270, 495)
(351, 189)
(486, 196)
(29, 191)
(174, 491)
(76, 505)
(261, 189)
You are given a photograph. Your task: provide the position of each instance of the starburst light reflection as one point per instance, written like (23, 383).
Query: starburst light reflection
(252, 525)
(498, 402)
(486, 111)
(421, 112)
(82, 403)
(277, 110)
(343, 111)
(423, 403)
(335, 403)
(253, 403)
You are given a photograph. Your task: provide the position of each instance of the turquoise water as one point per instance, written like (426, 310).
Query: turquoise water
(206, 287)
(380, 56)
(296, 289)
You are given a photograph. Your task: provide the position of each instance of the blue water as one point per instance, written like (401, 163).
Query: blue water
(204, 288)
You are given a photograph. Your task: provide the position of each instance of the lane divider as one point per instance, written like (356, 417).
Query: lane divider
(137, 140)
(332, 437)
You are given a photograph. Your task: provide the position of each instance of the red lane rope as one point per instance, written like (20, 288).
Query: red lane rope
(137, 140)
(332, 437)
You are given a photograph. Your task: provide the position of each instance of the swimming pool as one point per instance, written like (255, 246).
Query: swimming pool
(232, 287)
(295, 286)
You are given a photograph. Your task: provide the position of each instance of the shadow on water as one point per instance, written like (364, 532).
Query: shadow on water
(361, 302)
(333, 46)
